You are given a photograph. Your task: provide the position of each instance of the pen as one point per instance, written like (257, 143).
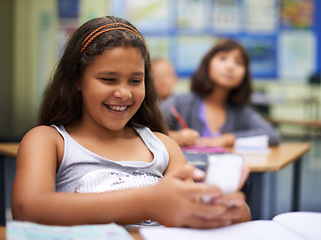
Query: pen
(178, 117)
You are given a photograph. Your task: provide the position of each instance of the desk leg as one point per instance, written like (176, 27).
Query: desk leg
(2, 192)
(255, 200)
(296, 185)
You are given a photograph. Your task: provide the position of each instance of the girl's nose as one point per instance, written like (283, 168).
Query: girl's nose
(230, 63)
(123, 93)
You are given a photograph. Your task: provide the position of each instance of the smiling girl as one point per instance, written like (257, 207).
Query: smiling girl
(100, 155)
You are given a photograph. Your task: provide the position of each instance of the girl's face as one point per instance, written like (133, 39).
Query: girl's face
(113, 88)
(227, 69)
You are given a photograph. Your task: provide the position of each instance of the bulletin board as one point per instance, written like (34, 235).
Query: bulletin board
(282, 36)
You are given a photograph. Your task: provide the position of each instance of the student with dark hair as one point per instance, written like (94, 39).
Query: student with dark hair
(100, 155)
(217, 106)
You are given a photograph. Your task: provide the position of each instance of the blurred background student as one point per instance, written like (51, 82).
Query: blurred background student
(217, 106)
(164, 76)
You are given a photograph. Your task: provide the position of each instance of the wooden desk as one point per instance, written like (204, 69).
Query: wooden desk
(134, 234)
(277, 159)
(9, 149)
(260, 164)
(2, 233)
(307, 123)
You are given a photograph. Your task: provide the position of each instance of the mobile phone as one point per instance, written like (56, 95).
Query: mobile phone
(224, 171)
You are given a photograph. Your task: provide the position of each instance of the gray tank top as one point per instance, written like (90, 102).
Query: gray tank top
(84, 171)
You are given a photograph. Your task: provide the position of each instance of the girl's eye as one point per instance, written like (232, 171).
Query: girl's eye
(136, 81)
(108, 79)
(239, 62)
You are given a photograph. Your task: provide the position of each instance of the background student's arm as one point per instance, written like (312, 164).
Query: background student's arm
(254, 124)
(185, 137)
(250, 122)
(224, 140)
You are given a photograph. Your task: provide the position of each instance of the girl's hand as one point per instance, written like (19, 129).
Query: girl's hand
(185, 137)
(237, 210)
(174, 202)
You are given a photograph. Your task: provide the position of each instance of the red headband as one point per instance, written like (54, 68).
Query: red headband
(94, 34)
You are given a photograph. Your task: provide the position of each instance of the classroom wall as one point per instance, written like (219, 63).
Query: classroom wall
(33, 59)
(6, 26)
(33, 36)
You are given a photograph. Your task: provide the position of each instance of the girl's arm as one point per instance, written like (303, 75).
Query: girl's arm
(170, 202)
(176, 156)
(34, 197)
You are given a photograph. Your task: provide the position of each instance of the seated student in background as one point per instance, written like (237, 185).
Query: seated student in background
(99, 154)
(165, 78)
(217, 106)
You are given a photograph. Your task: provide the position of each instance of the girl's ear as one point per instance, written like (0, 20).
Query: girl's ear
(78, 86)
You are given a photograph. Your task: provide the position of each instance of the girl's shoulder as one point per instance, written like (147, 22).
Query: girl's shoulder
(241, 110)
(161, 136)
(41, 136)
(42, 131)
(166, 140)
(239, 107)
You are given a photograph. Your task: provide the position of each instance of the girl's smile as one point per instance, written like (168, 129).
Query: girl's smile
(117, 108)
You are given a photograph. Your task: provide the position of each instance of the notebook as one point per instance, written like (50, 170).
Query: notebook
(254, 144)
(292, 226)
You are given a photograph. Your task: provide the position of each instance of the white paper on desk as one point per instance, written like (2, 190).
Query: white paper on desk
(255, 230)
(306, 224)
(292, 226)
(254, 144)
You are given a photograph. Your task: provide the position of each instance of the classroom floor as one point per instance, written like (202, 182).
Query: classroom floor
(310, 199)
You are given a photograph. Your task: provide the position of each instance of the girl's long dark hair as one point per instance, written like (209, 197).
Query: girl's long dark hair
(62, 102)
(204, 86)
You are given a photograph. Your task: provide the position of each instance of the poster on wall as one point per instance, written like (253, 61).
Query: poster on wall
(261, 16)
(180, 30)
(226, 16)
(297, 13)
(297, 54)
(147, 16)
(159, 47)
(262, 52)
(189, 51)
(192, 14)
